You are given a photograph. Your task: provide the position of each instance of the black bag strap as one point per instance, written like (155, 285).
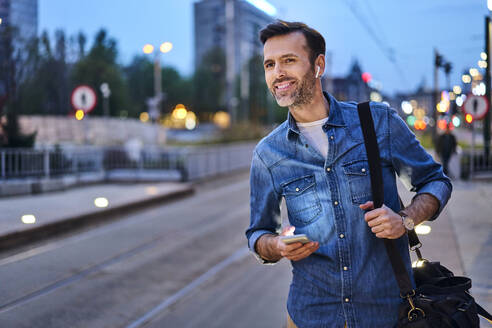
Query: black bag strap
(376, 174)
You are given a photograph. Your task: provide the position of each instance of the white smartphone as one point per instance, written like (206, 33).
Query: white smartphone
(301, 238)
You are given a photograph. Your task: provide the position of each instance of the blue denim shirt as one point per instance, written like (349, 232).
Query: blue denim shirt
(349, 278)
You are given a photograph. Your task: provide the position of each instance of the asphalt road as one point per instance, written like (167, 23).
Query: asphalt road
(183, 264)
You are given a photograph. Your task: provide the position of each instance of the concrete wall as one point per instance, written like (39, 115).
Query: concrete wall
(91, 130)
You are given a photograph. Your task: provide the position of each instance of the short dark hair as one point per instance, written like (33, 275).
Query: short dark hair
(315, 41)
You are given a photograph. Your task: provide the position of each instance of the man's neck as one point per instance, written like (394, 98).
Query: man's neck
(318, 109)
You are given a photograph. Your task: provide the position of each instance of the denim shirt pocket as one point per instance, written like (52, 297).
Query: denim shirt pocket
(302, 200)
(357, 173)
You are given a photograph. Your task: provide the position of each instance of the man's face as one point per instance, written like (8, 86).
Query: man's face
(288, 72)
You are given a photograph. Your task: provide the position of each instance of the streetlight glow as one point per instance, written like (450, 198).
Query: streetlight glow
(148, 49)
(79, 115)
(466, 78)
(473, 72)
(166, 47)
(489, 5)
(457, 89)
(483, 55)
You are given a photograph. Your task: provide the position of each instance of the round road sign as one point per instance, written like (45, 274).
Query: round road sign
(476, 106)
(84, 98)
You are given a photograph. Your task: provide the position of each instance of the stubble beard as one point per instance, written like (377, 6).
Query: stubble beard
(302, 95)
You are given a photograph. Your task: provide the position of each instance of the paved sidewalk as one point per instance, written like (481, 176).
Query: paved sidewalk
(461, 237)
(63, 210)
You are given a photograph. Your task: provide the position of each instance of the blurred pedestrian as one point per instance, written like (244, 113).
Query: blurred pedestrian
(446, 147)
(316, 161)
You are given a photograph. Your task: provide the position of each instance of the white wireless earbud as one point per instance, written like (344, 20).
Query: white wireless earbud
(317, 71)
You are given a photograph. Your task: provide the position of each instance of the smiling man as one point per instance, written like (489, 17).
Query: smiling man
(316, 161)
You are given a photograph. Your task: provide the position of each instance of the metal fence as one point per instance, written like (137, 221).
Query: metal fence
(474, 164)
(192, 162)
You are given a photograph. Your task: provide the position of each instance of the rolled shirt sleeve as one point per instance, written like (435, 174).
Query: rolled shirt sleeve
(264, 205)
(414, 165)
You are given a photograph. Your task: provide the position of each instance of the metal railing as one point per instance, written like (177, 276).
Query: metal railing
(474, 164)
(192, 162)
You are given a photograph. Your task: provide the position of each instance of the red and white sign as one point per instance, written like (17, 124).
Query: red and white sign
(83, 98)
(476, 106)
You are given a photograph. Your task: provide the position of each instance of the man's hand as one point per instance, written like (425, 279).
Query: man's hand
(383, 222)
(295, 251)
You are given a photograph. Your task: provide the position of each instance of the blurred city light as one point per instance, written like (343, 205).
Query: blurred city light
(489, 4)
(459, 101)
(28, 219)
(222, 119)
(466, 78)
(406, 107)
(179, 112)
(79, 115)
(264, 6)
(144, 117)
(468, 118)
(0, 21)
(473, 72)
(151, 190)
(420, 125)
(452, 96)
(456, 121)
(423, 229)
(366, 77)
(419, 113)
(411, 120)
(457, 89)
(148, 49)
(483, 55)
(482, 64)
(190, 122)
(479, 89)
(442, 124)
(101, 202)
(376, 96)
(166, 47)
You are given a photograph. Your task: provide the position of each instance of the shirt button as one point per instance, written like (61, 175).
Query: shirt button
(345, 268)
(335, 202)
(342, 235)
(328, 169)
(347, 300)
(297, 189)
(363, 170)
(331, 137)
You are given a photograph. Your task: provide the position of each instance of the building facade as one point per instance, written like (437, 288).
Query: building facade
(22, 16)
(211, 29)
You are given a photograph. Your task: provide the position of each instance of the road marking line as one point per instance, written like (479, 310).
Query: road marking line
(238, 255)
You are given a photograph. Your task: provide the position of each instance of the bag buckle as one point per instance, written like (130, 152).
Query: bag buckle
(413, 312)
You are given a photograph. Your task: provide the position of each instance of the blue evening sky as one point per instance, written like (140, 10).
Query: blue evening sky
(369, 30)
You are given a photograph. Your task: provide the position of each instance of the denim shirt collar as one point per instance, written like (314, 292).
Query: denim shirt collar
(335, 117)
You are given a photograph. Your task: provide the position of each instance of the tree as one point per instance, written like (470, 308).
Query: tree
(209, 82)
(15, 67)
(100, 66)
(48, 89)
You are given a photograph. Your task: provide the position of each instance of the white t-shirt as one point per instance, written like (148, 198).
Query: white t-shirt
(314, 133)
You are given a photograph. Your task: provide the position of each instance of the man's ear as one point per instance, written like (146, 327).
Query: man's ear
(319, 65)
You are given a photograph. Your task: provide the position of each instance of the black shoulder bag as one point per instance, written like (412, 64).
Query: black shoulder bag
(440, 299)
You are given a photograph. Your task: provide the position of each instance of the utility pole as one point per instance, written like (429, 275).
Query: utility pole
(231, 99)
(486, 121)
(437, 64)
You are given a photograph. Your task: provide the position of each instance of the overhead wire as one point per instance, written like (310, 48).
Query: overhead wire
(387, 51)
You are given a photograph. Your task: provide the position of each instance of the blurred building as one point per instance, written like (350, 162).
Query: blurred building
(348, 88)
(246, 21)
(21, 15)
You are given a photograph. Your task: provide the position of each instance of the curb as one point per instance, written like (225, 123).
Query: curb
(22, 238)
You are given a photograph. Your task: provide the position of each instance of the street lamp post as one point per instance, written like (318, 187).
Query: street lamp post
(148, 49)
(486, 121)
